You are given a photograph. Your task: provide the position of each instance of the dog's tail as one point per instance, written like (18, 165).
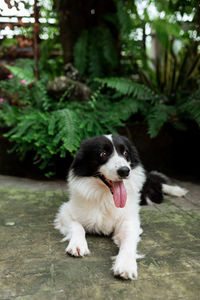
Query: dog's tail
(156, 185)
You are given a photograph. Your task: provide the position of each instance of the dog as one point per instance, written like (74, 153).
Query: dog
(107, 186)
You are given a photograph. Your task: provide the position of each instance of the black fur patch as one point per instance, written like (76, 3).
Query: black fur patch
(88, 159)
(152, 188)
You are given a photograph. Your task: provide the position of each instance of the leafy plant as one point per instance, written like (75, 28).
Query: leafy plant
(155, 108)
(155, 61)
(95, 54)
(50, 128)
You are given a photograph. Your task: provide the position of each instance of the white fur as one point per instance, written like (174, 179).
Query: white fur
(149, 202)
(174, 190)
(91, 209)
(109, 169)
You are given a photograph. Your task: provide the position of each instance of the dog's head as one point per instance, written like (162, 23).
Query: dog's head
(110, 158)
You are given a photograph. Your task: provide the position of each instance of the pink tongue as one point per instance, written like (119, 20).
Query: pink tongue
(119, 194)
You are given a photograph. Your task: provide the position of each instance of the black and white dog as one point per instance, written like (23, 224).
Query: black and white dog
(107, 183)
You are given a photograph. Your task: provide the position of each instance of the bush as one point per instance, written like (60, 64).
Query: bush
(52, 128)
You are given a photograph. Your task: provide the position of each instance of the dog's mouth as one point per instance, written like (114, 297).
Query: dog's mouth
(117, 189)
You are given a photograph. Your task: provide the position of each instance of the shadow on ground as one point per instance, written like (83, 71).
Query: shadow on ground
(33, 264)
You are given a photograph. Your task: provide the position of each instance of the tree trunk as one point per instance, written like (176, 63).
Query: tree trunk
(77, 15)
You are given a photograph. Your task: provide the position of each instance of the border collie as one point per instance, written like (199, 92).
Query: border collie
(107, 183)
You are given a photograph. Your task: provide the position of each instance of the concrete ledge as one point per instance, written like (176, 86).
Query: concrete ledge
(33, 264)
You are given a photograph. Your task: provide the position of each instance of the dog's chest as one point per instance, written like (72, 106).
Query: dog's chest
(99, 219)
(93, 206)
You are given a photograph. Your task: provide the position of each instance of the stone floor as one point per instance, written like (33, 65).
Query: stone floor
(33, 264)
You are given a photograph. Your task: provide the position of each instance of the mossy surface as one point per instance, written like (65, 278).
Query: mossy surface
(33, 264)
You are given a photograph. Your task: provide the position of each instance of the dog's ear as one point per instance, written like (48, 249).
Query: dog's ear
(134, 156)
(85, 163)
(79, 164)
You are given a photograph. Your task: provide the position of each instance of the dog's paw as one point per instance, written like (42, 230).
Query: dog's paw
(77, 248)
(140, 231)
(125, 268)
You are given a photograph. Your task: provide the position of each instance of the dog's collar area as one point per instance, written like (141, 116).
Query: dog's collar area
(106, 181)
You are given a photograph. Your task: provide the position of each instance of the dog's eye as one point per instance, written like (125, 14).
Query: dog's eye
(125, 154)
(103, 154)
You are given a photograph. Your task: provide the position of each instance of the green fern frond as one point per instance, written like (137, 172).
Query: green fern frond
(96, 59)
(124, 18)
(40, 96)
(157, 117)
(194, 111)
(67, 126)
(80, 52)
(108, 47)
(191, 107)
(128, 87)
(95, 52)
(52, 125)
(195, 96)
(127, 107)
(21, 73)
(9, 115)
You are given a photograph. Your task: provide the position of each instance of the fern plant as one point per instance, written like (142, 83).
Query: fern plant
(80, 52)
(51, 128)
(128, 87)
(191, 107)
(155, 108)
(95, 53)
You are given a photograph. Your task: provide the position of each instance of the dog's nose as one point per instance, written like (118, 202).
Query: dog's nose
(123, 172)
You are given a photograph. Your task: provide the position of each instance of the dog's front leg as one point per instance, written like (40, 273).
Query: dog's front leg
(77, 242)
(126, 236)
